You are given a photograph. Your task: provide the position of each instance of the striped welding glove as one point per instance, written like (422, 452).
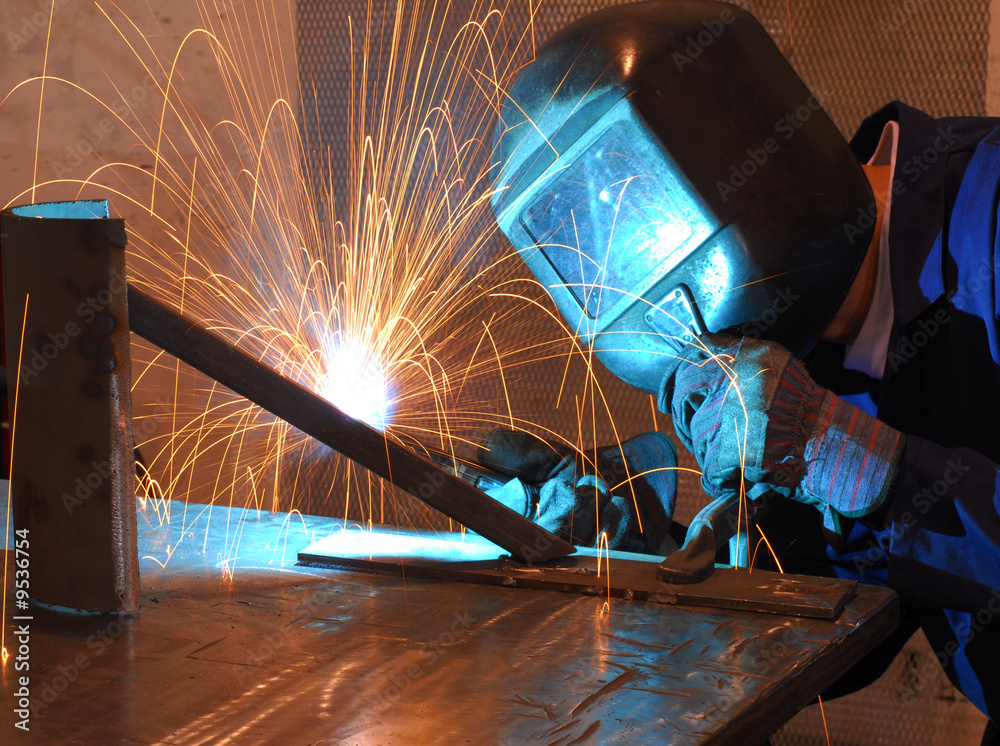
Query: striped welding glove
(754, 419)
(625, 492)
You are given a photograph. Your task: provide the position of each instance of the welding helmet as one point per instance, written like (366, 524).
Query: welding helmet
(662, 169)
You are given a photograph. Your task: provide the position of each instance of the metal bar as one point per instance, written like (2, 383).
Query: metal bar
(630, 576)
(315, 416)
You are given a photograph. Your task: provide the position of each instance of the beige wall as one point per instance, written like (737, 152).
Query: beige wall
(115, 119)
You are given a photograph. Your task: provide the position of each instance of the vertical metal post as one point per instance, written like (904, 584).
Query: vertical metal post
(67, 339)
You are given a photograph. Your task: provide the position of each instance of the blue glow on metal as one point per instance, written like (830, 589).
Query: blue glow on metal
(82, 209)
(607, 221)
(717, 274)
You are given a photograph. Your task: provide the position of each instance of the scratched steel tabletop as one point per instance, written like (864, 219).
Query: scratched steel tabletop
(237, 644)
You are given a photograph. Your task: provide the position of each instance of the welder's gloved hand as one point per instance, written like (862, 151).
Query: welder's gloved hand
(628, 492)
(748, 410)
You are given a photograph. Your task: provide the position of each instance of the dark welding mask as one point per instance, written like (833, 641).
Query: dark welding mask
(662, 170)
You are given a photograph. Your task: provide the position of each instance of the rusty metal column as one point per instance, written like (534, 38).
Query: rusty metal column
(73, 471)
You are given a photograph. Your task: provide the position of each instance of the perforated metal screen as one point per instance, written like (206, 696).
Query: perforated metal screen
(856, 55)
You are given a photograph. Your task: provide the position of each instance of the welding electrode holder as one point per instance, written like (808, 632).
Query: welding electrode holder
(678, 321)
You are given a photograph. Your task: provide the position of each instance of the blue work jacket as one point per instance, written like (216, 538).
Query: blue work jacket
(941, 388)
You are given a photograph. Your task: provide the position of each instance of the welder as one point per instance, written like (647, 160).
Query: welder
(820, 318)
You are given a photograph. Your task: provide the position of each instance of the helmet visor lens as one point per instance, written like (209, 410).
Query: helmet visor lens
(606, 221)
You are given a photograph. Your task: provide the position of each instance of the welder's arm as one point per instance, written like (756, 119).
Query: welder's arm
(627, 492)
(945, 531)
(750, 413)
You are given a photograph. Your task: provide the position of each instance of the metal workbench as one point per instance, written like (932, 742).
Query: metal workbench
(237, 644)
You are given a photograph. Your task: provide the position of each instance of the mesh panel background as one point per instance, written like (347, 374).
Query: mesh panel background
(856, 55)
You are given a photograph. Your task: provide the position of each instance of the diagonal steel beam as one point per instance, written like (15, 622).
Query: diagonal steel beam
(315, 416)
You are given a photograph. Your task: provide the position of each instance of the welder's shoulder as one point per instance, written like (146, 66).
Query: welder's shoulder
(972, 230)
(950, 133)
